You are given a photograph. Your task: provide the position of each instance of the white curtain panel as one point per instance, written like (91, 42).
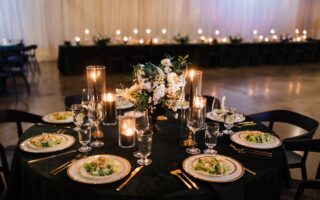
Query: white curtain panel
(48, 23)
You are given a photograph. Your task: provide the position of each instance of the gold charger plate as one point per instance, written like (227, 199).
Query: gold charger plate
(235, 174)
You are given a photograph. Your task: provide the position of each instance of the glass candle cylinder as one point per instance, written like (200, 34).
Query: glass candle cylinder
(193, 85)
(126, 131)
(96, 82)
(109, 103)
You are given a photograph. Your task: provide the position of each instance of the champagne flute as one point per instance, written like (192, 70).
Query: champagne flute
(141, 125)
(195, 122)
(211, 137)
(229, 119)
(96, 114)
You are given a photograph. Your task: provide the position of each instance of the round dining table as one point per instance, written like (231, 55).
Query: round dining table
(34, 181)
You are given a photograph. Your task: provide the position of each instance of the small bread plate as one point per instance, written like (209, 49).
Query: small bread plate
(256, 139)
(213, 168)
(61, 117)
(218, 116)
(99, 169)
(47, 142)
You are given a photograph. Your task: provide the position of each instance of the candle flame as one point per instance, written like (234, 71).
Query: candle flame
(94, 76)
(191, 74)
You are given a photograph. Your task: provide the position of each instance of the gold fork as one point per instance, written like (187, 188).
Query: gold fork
(192, 182)
(175, 173)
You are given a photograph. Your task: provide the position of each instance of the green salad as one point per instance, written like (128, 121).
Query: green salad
(101, 167)
(257, 137)
(46, 140)
(62, 115)
(211, 165)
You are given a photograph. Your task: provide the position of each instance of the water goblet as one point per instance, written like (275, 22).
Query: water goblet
(195, 122)
(84, 135)
(96, 114)
(142, 124)
(144, 141)
(229, 119)
(211, 137)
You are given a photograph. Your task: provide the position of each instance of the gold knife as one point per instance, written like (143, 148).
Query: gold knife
(249, 171)
(52, 156)
(133, 173)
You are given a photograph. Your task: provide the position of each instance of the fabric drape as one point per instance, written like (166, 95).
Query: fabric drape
(48, 23)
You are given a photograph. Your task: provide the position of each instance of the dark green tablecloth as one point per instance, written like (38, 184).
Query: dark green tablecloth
(153, 182)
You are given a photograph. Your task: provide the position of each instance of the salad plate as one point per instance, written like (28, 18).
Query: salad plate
(99, 169)
(47, 142)
(218, 116)
(58, 117)
(123, 104)
(256, 139)
(213, 168)
(182, 105)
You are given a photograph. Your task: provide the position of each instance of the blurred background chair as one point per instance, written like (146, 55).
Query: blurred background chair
(72, 99)
(310, 126)
(309, 145)
(18, 117)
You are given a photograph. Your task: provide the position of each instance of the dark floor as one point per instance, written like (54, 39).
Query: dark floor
(250, 89)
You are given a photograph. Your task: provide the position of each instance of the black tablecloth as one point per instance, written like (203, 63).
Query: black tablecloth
(152, 182)
(120, 58)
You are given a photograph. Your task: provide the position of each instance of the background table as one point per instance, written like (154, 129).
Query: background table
(152, 182)
(120, 58)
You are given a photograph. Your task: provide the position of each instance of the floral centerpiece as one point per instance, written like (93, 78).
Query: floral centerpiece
(157, 87)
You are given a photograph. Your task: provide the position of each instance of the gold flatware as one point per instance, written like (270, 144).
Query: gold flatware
(243, 150)
(50, 157)
(65, 165)
(248, 122)
(249, 171)
(190, 181)
(54, 126)
(133, 173)
(175, 173)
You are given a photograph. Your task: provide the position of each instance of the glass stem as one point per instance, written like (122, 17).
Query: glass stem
(194, 139)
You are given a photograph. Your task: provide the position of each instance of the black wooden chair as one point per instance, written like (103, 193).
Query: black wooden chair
(308, 124)
(8, 116)
(210, 101)
(30, 52)
(72, 99)
(310, 145)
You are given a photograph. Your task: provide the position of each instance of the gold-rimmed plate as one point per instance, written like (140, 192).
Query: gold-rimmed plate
(61, 117)
(219, 116)
(238, 138)
(123, 104)
(67, 141)
(234, 172)
(77, 172)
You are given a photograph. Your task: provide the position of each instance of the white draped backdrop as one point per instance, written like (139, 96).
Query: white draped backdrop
(49, 22)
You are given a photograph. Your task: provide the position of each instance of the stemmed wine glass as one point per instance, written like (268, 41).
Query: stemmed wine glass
(84, 132)
(229, 119)
(211, 137)
(141, 125)
(96, 114)
(195, 122)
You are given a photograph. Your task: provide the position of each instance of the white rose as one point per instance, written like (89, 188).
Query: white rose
(158, 93)
(166, 62)
(146, 85)
(172, 78)
(167, 70)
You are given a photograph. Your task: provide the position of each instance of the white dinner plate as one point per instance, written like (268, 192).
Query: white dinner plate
(183, 105)
(235, 171)
(124, 104)
(52, 117)
(220, 118)
(77, 173)
(68, 141)
(239, 139)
